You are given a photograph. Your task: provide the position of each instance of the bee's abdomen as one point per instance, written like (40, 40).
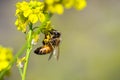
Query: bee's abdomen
(37, 51)
(43, 50)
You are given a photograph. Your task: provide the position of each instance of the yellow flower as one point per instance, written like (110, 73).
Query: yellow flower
(21, 25)
(80, 4)
(3, 65)
(5, 57)
(49, 2)
(17, 11)
(33, 18)
(41, 17)
(56, 8)
(36, 10)
(28, 12)
(20, 61)
(59, 9)
(22, 6)
(68, 3)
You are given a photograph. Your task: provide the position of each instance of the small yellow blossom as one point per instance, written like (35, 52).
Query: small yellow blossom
(28, 12)
(20, 61)
(33, 18)
(21, 25)
(80, 4)
(41, 17)
(5, 57)
(59, 9)
(68, 3)
(51, 8)
(49, 2)
(3, 65)
(54, 6)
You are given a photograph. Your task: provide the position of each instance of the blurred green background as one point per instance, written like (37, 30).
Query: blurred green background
(90, 47)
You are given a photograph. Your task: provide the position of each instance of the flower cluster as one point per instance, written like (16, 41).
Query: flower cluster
(35, 10)
(57, 6)
(29, 12)
(5, 57)
(77, 4)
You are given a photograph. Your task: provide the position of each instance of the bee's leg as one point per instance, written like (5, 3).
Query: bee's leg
(58, 53)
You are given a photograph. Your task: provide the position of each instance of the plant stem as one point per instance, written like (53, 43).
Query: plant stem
(26, 63)
(20, 70)
(29, 48)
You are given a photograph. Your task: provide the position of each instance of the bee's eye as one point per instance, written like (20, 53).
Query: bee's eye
(55, 33)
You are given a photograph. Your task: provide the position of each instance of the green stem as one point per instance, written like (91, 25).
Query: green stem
(26, 63)
(29, 48)
(20, 70)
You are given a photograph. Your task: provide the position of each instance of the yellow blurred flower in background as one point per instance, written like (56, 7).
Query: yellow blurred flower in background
(54, 6)
(80, 4)
(68, 3)
(57, 6)
(5, 57)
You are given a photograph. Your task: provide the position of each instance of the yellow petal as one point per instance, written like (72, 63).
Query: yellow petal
(27, 12)
(68, 3)
(41, 17)
(3, 65)
(33, 18)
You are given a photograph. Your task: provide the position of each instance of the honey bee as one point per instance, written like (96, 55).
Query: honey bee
(50, 44)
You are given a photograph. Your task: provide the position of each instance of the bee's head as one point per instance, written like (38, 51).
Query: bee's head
(55, 33)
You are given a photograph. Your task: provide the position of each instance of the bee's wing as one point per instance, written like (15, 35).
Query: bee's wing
(57, 49)
(56, 52)
(50, 55)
